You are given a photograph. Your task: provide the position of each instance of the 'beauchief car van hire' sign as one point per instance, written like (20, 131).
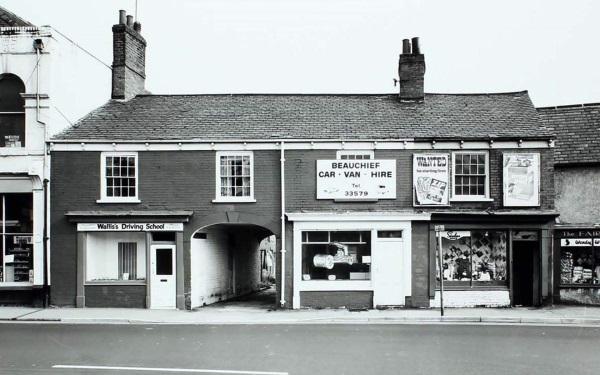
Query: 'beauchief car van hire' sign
(366, 179)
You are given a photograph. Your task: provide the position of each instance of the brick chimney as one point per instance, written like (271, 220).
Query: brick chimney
(129, 58)
(411, 70)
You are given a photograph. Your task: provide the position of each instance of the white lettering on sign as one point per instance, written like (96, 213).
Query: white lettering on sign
(356, 180)
(576, 242)
(129, 227)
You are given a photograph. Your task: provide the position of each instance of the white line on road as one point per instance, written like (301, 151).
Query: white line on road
(169, 370)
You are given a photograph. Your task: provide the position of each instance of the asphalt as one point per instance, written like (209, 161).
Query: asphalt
(260, 309)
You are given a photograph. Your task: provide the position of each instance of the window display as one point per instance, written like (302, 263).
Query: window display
(474, 257)
(580, 261)
(336, 255)
(16, 263)
(116, 257)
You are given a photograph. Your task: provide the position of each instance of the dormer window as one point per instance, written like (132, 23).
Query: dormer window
(12, 111)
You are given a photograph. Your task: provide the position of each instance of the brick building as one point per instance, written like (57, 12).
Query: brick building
(161, 201)
(24, 101)
(577, 177)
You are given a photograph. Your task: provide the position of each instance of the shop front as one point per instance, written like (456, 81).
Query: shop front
(130, 264)
(22, 255)
(352, 260)
(493, 263)
(577, 270)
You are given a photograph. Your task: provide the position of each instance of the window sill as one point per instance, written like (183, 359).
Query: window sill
(579, 285)
(16, 285)
(471, 199)
(108, 200)
(238, 200)
(116, 282)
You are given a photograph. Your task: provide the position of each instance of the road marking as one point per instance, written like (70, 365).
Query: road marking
(169, 370)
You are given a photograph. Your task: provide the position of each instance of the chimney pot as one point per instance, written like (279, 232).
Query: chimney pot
(129, 20)
(405, 46)
(416, 49)
(137, 26)
(122, 17)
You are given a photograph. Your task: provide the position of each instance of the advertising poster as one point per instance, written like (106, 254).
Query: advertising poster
(522, 180)
(430, 179)
(356, 179)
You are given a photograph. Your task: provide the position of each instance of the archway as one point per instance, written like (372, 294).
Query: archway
(226, 264)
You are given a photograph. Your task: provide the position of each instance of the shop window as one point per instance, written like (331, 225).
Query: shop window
(474, 258)
(119, 177)
(115, 257)
(336, 255)
(16, 258)
(12, 111)
(355, 155)
(234, 176)
(580, 261)
(470, 176)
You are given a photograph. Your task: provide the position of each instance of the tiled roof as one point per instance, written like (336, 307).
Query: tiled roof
(9, 19)
(318, 117)
(577, 130)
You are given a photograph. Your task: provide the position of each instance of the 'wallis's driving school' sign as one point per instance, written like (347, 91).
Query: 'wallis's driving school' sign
(365, 179)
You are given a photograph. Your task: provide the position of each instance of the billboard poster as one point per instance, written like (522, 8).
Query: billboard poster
(521, 176)
(364, 179)
(430, 179)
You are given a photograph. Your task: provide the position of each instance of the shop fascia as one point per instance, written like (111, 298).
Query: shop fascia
(129, 227)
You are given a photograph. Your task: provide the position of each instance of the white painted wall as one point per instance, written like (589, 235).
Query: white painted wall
(472, 298)
(210, 281)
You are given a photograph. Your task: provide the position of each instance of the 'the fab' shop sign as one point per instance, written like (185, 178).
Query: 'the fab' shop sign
(356, 179)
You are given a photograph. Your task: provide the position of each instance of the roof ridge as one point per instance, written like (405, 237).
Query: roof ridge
(332, 94)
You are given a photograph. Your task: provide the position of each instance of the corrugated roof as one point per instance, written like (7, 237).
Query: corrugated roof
(353, 117)
(9, 19)
(577, 129)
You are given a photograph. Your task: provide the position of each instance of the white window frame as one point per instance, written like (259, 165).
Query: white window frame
(341, 153)
(471, 198)
(103, 196)
(218, 197)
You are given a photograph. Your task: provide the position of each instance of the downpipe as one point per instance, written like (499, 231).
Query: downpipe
(282, 162)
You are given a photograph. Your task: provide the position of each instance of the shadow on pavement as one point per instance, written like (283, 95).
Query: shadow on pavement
(262, 300)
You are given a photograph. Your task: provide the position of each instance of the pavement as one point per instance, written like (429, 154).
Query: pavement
(244, 314)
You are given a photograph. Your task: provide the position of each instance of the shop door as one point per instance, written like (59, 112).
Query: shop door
(388, 268)
(525, 267)
(163, 287)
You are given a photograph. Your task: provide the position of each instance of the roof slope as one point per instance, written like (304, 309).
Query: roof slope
(577, 130)
(319, 117)
(9, 19)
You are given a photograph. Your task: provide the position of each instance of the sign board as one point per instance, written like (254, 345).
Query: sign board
(439, 228)
(456, 235)
(521, 176)
(129, 227)
(431, 179)
(357, 180)
(576, 242)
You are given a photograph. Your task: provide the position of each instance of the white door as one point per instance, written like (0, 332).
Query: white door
(163, 288)
(388, 271)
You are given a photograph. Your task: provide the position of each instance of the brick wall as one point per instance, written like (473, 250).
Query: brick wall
(420, 265)
(472, 298)
(337, 299)
(133, 296)
(168, 181)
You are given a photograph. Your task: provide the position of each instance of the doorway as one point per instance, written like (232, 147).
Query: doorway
(163, 286)
(525, 273)
(388, 282)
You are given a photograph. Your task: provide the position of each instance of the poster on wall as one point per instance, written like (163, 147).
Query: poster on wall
(430, 179)
(521, 176)
(356, 179)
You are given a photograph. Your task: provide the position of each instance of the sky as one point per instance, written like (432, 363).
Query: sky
(548, 47)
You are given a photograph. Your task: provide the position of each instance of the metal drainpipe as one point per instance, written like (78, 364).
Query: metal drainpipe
(45, 236)
(282, 301)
